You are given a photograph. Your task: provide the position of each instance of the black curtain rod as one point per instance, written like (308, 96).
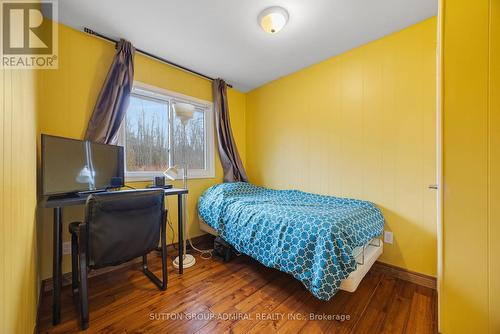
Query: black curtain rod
(163, 60)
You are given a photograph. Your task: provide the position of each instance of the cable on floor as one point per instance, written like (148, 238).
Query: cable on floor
(206, 254)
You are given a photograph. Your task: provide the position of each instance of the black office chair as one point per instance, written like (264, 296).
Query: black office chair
(119, 226)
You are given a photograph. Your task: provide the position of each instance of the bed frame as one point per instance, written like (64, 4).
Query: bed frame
(366, 257)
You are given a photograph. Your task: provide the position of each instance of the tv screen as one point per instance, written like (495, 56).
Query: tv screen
(71, 166)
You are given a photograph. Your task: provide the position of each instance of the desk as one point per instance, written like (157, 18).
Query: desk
(58, 204)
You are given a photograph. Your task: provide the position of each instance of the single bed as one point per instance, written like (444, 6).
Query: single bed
(327, 243)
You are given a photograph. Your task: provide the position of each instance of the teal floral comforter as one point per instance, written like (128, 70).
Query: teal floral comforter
(308, 236)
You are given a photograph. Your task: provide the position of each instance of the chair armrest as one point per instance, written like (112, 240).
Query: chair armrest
(74, 227)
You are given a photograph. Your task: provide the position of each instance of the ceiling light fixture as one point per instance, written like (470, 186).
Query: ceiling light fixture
(273, 19)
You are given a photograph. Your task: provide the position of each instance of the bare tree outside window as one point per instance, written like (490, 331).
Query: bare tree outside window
(195, 141)
(146, 137)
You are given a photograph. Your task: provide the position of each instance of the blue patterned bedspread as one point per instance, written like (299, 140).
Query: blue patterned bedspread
(308, 236)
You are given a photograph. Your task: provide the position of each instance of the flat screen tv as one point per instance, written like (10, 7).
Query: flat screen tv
(71, 166)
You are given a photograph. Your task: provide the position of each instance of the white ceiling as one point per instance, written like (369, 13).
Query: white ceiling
(221, 38)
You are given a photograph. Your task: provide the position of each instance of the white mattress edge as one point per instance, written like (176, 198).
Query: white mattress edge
(372, 253)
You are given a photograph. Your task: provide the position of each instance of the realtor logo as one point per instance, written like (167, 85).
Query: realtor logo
(29, 34)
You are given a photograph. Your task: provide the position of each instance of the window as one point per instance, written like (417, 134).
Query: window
(154, 138)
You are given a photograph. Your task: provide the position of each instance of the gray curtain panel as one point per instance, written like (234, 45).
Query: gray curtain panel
(229, 156)
(113, 100)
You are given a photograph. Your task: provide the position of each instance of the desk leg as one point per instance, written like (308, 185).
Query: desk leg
(180, 218)
(56, 266)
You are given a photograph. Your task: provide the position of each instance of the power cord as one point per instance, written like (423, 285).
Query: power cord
(169, 223)
(206, 254)
(173, 232)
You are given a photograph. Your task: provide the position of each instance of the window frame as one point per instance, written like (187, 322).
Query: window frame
(155, 93)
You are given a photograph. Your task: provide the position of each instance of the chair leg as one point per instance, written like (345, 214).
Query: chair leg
(164, 267)
(162, 285)
(83, 292)
(74, 264)
(83, 279)
(164, 256)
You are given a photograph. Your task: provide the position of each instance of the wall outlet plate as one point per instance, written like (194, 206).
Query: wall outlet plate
(388, 237)
(66, 247)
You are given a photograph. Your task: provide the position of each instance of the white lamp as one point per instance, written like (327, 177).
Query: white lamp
(185, 112)
(273, 19)
(172, 173)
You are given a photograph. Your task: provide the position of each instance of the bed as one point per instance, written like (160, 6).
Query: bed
(325, 242)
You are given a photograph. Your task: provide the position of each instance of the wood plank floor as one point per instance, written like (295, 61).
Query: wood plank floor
(242, 296)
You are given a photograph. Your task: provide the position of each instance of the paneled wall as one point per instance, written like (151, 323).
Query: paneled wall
(360, 125)
(18, 255)
(470, 292)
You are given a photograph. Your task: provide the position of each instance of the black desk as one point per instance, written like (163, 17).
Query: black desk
(58, 204)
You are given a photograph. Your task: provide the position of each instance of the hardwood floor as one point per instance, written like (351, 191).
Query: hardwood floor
(243, 296)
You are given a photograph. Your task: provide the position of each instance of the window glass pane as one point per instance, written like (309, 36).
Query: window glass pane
(195, 141)
(146, 135)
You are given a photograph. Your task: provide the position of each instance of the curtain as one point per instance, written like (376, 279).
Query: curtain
(113, 100)
(229, 156)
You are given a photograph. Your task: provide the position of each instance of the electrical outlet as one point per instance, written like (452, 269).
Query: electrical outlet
(388, 237)
(67, 248)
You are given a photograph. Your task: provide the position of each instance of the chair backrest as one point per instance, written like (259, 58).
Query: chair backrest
(123, 225)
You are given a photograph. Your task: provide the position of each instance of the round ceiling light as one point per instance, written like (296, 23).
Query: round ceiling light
(273, 19)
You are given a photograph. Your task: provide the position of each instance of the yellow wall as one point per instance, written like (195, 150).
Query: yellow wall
(359, 125)
(67, 97)
(18, 257)
(494, 155)
(470, 292)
